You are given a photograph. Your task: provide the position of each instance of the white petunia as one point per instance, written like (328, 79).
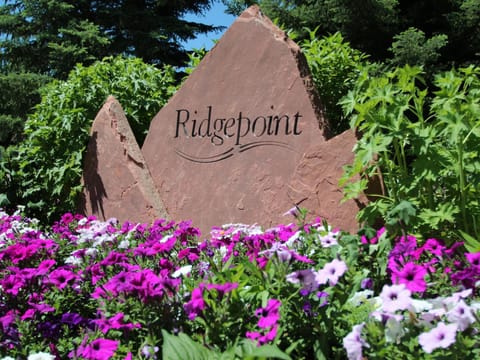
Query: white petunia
(41, 356)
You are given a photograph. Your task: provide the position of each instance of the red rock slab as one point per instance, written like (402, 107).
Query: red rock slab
(314, 184)
(212, 165)
(116, 179)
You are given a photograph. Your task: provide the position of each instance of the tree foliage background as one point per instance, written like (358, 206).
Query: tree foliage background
(441, 33)
(41, 40)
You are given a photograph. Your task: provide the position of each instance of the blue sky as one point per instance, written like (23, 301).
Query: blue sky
(215, 16)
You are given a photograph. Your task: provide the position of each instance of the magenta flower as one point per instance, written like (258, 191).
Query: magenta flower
(61, 278)
(11, 284)
(100, 349)
(473, 259)
(269, 315)
(45, 266)
(222, 289)
(405, 247)
(196, 305)
(434, 247)
(263, 338)
(364, 240)
(395, 297)
(331, 272)
(115, 322)
(412, 275)
(441, 336)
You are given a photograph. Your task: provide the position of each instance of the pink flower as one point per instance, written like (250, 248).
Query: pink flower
(45, 266)
(263, 339)
(441, 336)
(412, 275)
(364, 240)
(11, 284)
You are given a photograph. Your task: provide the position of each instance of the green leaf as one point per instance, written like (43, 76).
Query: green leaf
(249, 350)
(182, 347)
(404, 212)
(471, 244)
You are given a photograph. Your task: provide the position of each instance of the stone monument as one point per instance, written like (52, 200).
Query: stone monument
(242, 140)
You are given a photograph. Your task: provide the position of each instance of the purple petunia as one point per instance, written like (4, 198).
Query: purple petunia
(306, 278)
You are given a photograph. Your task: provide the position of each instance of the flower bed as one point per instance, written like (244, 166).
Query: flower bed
(86, 289)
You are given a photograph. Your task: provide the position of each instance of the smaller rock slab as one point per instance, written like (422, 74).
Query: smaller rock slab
(116, 179)
(314, 185)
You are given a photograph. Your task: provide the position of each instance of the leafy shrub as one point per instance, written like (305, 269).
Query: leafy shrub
(423, 144)
(18, 95)
(412, 48)
(46, 167)
(335, 67)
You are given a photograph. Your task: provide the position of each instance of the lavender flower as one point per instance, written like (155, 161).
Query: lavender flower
(441, 336)
(395, 297)
(462, 315)
(353, 343)
(331, 272)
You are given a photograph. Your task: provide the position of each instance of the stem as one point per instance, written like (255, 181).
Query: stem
(461, 175)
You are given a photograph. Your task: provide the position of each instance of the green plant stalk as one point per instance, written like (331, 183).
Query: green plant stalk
(461, 175)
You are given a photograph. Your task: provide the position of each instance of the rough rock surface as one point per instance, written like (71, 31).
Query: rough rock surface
(212, 165)
(116, 179)
(314, 184)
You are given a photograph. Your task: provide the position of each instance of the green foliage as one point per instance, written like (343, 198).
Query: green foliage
(46, 166)
(412, 48)
(335, 67)
(424, 149)
(194, 58)
(18, 95)
(183, 347)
